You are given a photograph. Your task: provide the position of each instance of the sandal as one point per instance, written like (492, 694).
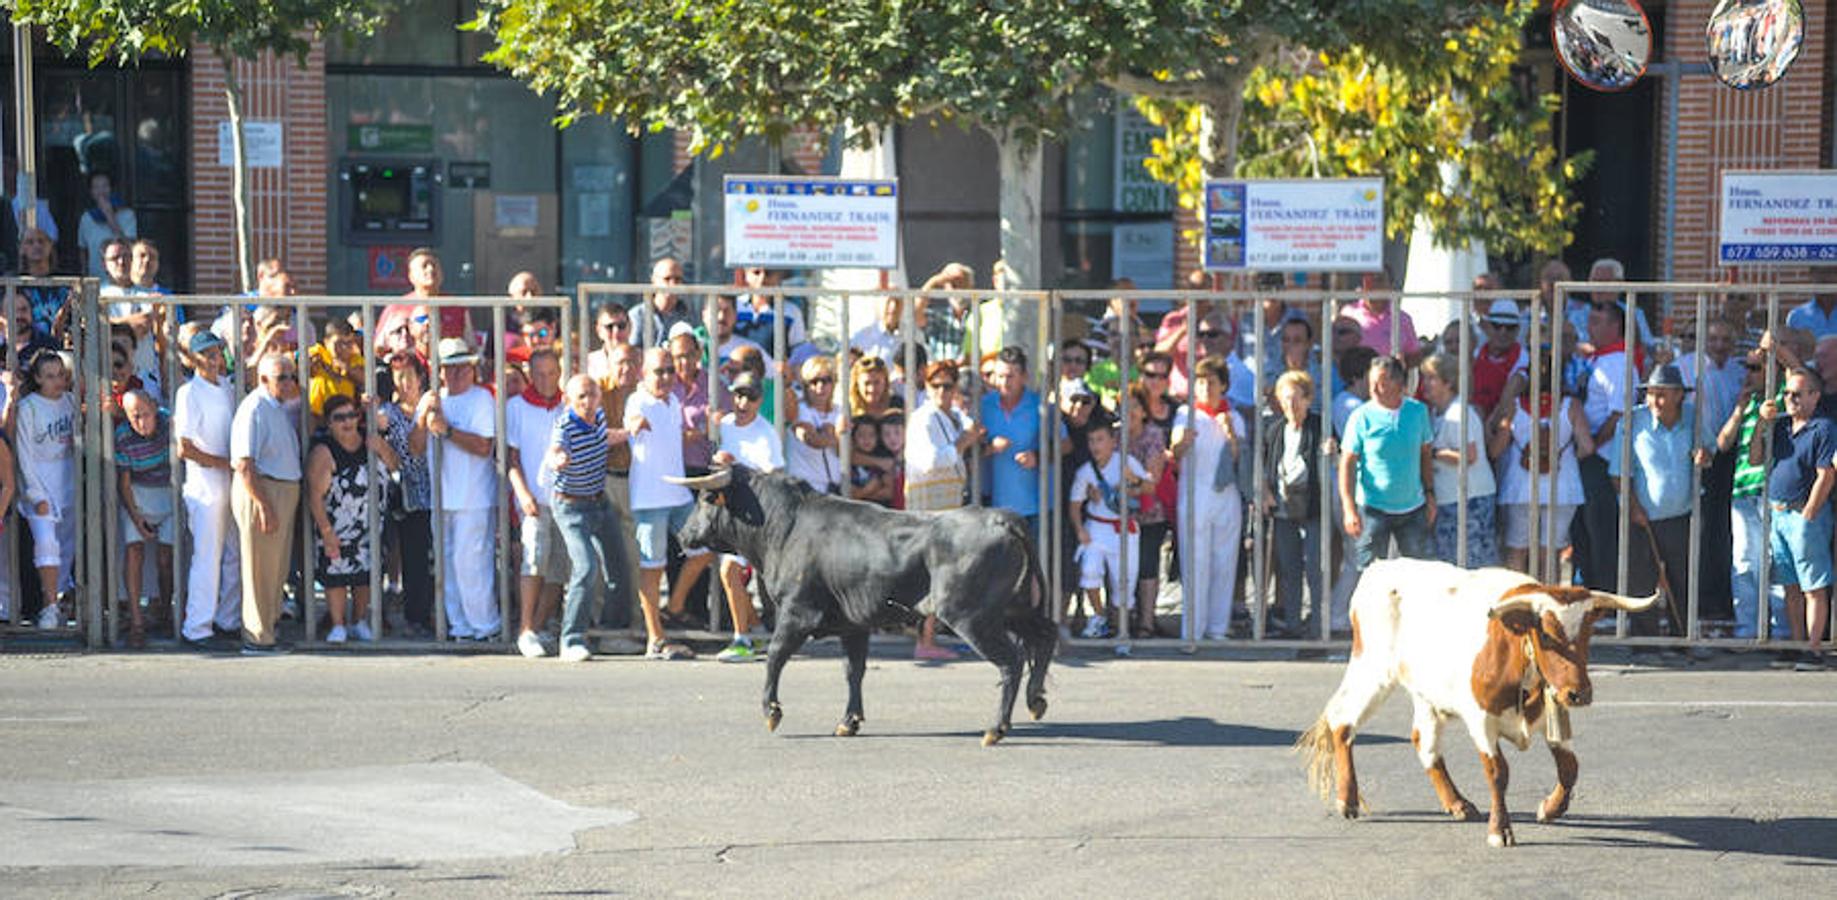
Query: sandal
(666, 650)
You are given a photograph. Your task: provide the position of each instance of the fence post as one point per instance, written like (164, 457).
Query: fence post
(506, 577)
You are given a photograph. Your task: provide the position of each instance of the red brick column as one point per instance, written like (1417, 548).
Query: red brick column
(1720, 128)
(289, 206)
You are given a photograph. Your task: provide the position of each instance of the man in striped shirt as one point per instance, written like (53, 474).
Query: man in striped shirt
(579, 449)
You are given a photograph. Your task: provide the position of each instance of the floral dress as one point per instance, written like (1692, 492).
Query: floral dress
(346, 498)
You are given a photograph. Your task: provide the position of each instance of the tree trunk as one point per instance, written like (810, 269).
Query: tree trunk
(1023, 180)
(239, 196)
(1218, 131)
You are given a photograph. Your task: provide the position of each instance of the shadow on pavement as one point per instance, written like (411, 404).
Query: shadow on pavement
(1806, 839)
(1186, 731)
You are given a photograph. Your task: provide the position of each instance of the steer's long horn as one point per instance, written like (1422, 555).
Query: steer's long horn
(1510, 602)
(713, 481)
(1605, 600)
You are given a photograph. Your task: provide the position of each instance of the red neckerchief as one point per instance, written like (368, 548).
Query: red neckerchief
(540, 402)
(1620, 346)
(1210, 411)
(1544, 404)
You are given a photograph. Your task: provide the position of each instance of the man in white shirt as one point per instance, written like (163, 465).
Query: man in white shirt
(529, 422)
(464, 419)
(881, 339)
(202, 413)
(654, 421)
(1596, 529)
(725, 341)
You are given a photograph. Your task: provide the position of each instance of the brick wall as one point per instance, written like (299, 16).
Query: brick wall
(289, 206)
(1722, 128)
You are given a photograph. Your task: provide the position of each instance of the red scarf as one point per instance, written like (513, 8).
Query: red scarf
(1544, 403)
(1620, 346)
(540, 402)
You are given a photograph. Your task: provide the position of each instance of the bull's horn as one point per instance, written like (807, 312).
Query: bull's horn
(713, 481)
(1510, 602)
(1605, 600)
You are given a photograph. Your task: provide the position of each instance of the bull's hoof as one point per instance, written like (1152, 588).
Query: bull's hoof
(1037, 708)
(1464, 812)
(849, 727)
(992, 736)
(1501, 838)
(773, 715)
(1550, 810)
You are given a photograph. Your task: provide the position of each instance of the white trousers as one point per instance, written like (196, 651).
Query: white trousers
(1101, 562)
(471, 602)
(1210, 539)
(54, 543)
(213, 580)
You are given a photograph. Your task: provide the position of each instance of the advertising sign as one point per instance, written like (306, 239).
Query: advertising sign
(1298, 225)
(1136, 190)
(261, 143)
(1778, 218)
(811, 222)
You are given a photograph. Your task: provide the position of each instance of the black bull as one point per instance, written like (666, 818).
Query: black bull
(836, 566)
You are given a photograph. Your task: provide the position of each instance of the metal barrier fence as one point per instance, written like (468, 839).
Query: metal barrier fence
(971, 319)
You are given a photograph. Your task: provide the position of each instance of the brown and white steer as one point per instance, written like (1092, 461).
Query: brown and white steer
(1485, 646)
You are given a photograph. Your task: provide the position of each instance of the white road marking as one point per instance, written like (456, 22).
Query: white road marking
(1765, 704)
(404, 813)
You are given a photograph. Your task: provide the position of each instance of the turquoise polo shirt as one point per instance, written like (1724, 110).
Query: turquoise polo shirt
(1389, 444)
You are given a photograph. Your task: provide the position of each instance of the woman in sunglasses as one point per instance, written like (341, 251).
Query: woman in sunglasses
(814, 451)
(338, 477)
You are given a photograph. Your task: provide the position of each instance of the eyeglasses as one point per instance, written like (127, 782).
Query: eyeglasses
(1154, 373)
(665, 371)
(1083, 400)
(871, 363)
(286, 376)
(1076, 361)
(345, 417)
(748, 396)
(536, 333)
(1206, 334)
(615, 324)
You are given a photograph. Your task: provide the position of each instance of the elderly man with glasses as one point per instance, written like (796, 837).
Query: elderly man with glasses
(464, 417)
(1798, 490)
(265, 453)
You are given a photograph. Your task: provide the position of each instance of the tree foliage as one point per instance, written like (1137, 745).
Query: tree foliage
(127, 30)
(1401, 110)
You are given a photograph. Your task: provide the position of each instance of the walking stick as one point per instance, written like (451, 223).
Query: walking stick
(1664, 579)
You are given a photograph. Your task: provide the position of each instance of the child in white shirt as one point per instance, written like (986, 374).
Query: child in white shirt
(1099, 488)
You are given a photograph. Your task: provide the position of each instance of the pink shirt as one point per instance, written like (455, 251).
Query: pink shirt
(1377, 327)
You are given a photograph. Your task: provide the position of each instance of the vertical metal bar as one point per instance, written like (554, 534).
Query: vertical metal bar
(1692, 626)
(373, 491)
(1259, 542)
(976, 386)
(505, 577)
(1192, 621)
(91, 342)
(437, 517)
(711, 425)
(25, 125)
(177, 601)
(1764, 610)
(1553, 454)
(780, 365)
(1325, 452)
(1054, 575)
(1464, 366)
(1624, 431)
(1125, 518)
(908, 344)
(1043, 507)
(110, 543)
(302, 381)
(845, 445)
(1534, 559)
(568, 360)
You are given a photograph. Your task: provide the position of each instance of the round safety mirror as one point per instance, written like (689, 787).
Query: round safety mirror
(1605, 44)
(1753, 42)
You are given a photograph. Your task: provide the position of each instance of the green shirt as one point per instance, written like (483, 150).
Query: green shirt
(1749, 477)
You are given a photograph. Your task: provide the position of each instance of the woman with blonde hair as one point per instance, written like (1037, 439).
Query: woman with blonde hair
(1459, 432)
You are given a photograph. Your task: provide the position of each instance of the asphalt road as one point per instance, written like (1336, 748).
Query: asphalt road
(438, 776)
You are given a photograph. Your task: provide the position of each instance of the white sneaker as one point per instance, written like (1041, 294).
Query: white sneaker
(529, 644)
(1096, 627)
(50, 617)
(576, 653)
(362, 632)
(336, 635)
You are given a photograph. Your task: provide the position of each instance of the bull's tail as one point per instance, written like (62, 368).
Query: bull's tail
(1029, 582)
(1316, 748)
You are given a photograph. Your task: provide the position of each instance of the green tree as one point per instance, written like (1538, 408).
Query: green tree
(1362, 101)
(126, 31)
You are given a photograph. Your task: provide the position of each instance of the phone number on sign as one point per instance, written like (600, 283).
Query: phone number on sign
(810, 258)
(1819, 253)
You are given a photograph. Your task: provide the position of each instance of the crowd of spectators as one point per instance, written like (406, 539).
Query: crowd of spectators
(1151, 478)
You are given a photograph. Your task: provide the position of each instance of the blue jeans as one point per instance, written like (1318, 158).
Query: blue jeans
(596, 553)
(1411, 530)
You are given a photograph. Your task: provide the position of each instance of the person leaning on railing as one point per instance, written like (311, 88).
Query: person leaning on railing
(1459, 432)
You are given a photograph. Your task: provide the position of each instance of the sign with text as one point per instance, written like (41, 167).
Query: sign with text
(1136, 190)
(1295, 225)
(261, 143)
(1778, 218)
(792, 223)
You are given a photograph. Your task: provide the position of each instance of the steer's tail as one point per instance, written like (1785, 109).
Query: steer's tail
(1316, 748)
(1029, 582)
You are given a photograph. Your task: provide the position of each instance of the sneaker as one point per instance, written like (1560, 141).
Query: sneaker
(529, 644)
(572, 652)
(1809, 662)
(337, 635)
(738, 651)
(362, 632)
(50, 617)
(933, 652)
(1097, 628)
(253, 649)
